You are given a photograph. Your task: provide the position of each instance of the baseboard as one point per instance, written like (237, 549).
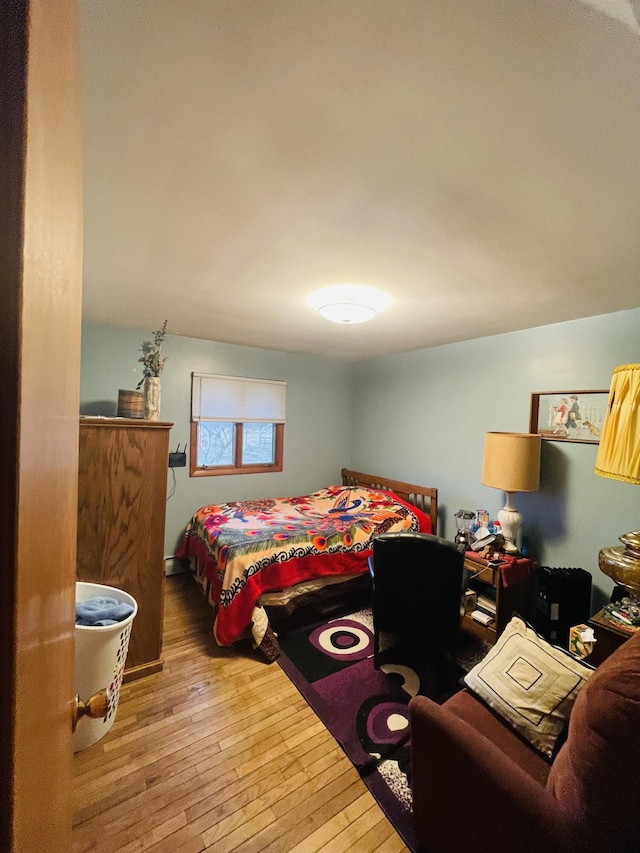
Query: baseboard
(173, 566)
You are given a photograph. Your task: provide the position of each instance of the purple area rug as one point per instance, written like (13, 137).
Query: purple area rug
(365, 709)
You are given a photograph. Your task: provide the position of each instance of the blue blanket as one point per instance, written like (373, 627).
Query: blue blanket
(99, 611)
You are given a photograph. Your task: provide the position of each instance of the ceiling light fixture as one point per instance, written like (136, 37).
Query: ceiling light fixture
(347, 312)
(348, 303)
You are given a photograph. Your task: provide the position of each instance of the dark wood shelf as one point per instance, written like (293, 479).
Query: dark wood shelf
(487, 633)
(514, 597)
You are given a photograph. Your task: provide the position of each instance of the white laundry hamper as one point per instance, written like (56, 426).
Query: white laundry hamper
(101, 652)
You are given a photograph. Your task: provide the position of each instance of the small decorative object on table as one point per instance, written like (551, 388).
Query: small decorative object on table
(464, 522)
(581, 640)
(153, 367)
(624, 614)
(130, 404)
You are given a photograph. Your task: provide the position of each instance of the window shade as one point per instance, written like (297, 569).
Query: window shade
(237, 399)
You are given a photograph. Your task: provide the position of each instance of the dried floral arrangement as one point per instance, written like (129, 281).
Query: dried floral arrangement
(150, 358)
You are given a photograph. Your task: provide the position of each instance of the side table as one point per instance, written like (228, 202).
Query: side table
(608, 638)
(510, 597)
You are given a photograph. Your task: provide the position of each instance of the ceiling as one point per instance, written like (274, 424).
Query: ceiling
(477, 160)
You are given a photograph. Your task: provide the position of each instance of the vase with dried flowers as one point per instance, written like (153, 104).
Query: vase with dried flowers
(153, 365)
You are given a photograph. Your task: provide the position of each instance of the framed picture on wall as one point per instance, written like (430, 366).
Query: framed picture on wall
(568, 415)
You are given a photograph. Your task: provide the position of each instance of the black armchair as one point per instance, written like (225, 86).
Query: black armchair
(417, 589)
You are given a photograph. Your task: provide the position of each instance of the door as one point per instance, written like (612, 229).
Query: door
(40, 281)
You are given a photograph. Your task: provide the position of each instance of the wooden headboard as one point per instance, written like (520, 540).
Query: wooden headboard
(421, 497)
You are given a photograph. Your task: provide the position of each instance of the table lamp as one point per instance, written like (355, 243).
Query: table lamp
(619, 458)
(511, 463)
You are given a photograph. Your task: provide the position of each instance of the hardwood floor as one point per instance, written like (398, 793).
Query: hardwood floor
(219, 752)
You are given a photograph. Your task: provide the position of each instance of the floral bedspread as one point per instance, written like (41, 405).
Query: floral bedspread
(244, 548)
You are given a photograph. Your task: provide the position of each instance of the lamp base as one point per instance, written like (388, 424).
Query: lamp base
(510, 520)
(622, 563)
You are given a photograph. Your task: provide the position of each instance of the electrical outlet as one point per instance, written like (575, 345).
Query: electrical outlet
(178, 459)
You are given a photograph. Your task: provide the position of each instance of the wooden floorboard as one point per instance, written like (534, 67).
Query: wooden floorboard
(219, 753)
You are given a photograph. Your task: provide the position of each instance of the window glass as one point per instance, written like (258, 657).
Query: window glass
(258, 444)
(215, 444)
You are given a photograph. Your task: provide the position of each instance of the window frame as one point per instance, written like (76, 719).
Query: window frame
(237, 400)
(237, 467)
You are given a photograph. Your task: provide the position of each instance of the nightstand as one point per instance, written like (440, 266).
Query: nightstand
(509, 597)
(608, 638)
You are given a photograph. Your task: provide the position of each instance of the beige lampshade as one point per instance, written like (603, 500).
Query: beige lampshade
(512, 461)
(619, 450)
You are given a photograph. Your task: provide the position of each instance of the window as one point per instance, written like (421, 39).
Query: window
(237, 425)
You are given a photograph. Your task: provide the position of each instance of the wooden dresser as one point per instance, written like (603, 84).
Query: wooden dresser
(122, 491)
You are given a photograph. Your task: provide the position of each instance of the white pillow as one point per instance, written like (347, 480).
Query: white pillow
(531, 684)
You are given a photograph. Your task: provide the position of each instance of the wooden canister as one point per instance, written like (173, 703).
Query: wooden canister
(130, 404)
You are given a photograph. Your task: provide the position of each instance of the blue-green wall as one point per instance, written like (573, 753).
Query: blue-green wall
(422, 416)
(419, 416)
(317, 434)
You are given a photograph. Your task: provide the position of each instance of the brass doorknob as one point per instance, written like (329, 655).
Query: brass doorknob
(96, 707)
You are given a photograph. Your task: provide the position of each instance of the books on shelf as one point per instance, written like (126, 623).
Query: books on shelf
(487, 603)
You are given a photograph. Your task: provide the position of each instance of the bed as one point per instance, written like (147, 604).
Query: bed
(248, 555)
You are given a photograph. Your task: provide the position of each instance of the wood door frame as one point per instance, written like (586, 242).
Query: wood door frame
(40, 325)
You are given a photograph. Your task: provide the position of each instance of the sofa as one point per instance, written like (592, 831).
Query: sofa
(478, 785)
